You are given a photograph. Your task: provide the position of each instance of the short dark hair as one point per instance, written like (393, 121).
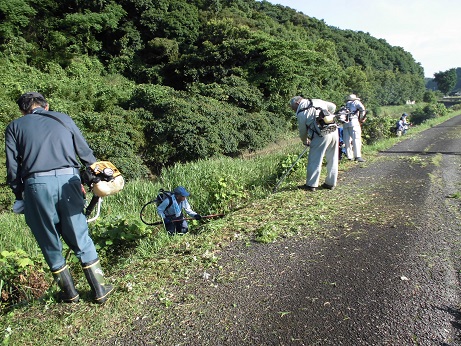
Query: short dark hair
(27, 100)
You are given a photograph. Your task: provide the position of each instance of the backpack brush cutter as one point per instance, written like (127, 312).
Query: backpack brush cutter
(103, 179)
(150, 216)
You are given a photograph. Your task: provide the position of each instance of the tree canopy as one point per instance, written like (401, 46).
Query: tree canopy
(446, 80)
(153, 82)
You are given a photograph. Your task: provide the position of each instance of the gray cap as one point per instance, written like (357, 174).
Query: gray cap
(29, 98)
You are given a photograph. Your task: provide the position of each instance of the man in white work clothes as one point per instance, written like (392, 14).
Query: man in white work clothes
(321, 136)
(352, 129)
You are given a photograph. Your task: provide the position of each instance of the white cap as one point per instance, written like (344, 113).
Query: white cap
(352, 97)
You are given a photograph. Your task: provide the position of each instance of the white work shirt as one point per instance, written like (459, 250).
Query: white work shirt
(306, 117)
(355, 107)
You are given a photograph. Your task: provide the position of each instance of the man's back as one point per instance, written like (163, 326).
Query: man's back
(42, 143)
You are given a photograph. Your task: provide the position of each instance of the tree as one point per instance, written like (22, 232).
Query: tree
(15, 15)
(212, 76)
(446, 81)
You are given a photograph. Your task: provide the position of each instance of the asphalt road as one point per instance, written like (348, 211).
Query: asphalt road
(386, 274)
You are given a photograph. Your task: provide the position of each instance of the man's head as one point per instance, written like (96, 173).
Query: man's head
(295, 101)
(30, 100)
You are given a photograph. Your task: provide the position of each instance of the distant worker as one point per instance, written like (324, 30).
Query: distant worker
(352, 130)
(319, 131)
(402, 125)
(170, 210)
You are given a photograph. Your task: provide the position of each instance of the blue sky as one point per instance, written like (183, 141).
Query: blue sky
(430, 30)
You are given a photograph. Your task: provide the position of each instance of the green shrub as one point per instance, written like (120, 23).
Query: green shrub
(117, 137)
(21, 277)
(430, 96)
(227, 194)
(286, 162)
(113, 236)
(456, 107)
(185, 128)
(377, 128)
(430, 111)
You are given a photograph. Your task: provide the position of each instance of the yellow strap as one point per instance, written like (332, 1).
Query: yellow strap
(91, 265)
(60, 270)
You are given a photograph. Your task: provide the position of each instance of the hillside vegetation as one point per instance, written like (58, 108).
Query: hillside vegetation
(152, 83)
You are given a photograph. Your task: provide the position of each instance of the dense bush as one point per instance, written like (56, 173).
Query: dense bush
(206, 128)
(152, 83)
(377, 128)
(431, 96)
(456, 107)
(21, 278)
(432, 110)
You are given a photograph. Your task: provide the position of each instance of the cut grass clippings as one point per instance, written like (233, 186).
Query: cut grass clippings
(146, 273)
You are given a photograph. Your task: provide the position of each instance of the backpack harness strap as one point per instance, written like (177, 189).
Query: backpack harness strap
(312, 127)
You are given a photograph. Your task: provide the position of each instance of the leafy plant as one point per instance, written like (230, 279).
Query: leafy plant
(21, 278)
(377, 128)
(286, 162)
(430, 111)
(118, 234)
(268, 233)
(227, 194)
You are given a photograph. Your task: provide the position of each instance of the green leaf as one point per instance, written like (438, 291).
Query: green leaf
(24, 262)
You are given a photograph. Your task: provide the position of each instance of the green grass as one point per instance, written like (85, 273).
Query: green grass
(143, 273)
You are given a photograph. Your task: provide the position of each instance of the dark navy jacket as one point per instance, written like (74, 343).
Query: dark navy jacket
(37, 143)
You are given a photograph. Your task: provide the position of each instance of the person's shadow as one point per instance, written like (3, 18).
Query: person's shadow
(455, 323)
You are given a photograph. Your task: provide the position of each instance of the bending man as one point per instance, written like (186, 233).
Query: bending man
(43, 172)
(322, 138)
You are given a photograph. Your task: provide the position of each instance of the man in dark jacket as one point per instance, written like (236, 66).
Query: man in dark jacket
(42, 151)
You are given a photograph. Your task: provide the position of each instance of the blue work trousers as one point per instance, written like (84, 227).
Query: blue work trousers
(178, 227)
(53, 207)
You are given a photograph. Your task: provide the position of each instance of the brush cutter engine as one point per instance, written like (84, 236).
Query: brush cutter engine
(103, 178)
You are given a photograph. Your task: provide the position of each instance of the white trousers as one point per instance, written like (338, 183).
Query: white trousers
(352, 137)
(320, 147)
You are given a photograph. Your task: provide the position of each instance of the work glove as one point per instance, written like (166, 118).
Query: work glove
(197, 216)
(18, 206)
(167, 220)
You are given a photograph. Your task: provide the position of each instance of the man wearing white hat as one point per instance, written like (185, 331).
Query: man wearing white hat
(352, 130)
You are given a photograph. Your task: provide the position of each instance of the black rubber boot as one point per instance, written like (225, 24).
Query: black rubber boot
(68, 293)
(95, 277)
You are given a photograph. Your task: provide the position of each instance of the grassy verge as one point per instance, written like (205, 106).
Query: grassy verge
(144, 269)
